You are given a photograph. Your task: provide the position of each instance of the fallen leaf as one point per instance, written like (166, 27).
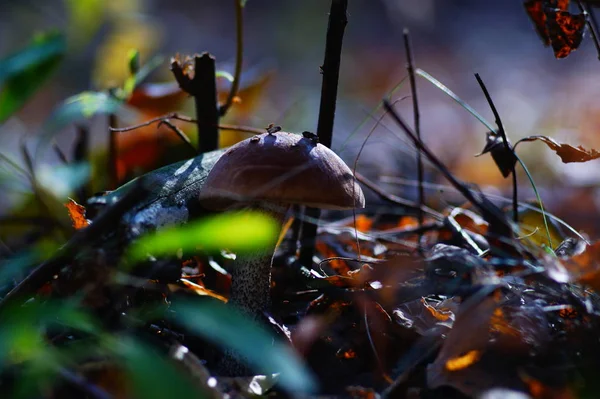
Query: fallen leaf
(77, 214)
(566, 152)
(555, 25)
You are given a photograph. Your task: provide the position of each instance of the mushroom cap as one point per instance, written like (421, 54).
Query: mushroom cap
(282, 168)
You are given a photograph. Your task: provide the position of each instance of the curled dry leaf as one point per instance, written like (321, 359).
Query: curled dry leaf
(77, 214)
(566, 152)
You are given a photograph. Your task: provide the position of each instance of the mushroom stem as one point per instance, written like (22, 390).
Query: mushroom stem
(251, 276)
(250, 292)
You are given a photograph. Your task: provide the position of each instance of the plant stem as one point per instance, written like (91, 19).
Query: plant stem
(239, 53)
(507, 146)
(331, 72)
(205, 100)
(417, 124)
(113, 181)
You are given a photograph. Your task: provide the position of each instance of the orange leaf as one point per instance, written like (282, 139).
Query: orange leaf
(566, 152)
(77, 214)
(464, 361)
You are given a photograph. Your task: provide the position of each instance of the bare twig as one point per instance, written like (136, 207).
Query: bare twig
(178, 132)
(417, 123)
(507, 146)
(183, 118)
(489, 211)
(239, 53)
(395, 199)
(329, 87)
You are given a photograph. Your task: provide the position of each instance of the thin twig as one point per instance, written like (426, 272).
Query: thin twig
(507, 147)
(490, 212)
(239, 54)
(395, 199)
(183, 118)
(417, 124)
(178, 132)
(331, 72)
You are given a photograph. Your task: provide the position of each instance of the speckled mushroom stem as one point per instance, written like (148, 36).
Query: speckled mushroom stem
(250, 291)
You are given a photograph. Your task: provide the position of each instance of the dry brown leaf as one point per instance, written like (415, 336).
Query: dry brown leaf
(77, 214)
(566, 152)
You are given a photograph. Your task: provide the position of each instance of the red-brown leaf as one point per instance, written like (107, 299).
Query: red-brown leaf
(566, 152)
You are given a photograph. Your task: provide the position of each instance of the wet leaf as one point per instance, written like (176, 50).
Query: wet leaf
(227, 328)
(77, 214)
(237, 232)
(24, 72)
(566, 152)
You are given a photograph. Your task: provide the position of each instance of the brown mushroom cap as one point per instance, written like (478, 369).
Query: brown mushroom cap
(283, 168)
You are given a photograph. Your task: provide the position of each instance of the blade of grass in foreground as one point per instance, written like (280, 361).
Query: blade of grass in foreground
(224, 326)
(237, 232)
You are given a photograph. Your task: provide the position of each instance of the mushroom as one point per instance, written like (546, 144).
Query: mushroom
(268, 173)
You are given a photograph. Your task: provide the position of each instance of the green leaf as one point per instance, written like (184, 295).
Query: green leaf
(151, 375)
(24, 72)
(63, 180)
(224, 326)
(238, 231)
(80, 107)
(140, 74)
(225, 75)
(134, 61)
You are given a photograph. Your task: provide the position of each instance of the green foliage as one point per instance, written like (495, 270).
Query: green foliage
(24, 72)
(138, 74)
(225, 327)
(85, 17)
(151, 375)
(238, 232)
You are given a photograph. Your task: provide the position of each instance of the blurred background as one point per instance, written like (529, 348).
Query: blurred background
(283, 48)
